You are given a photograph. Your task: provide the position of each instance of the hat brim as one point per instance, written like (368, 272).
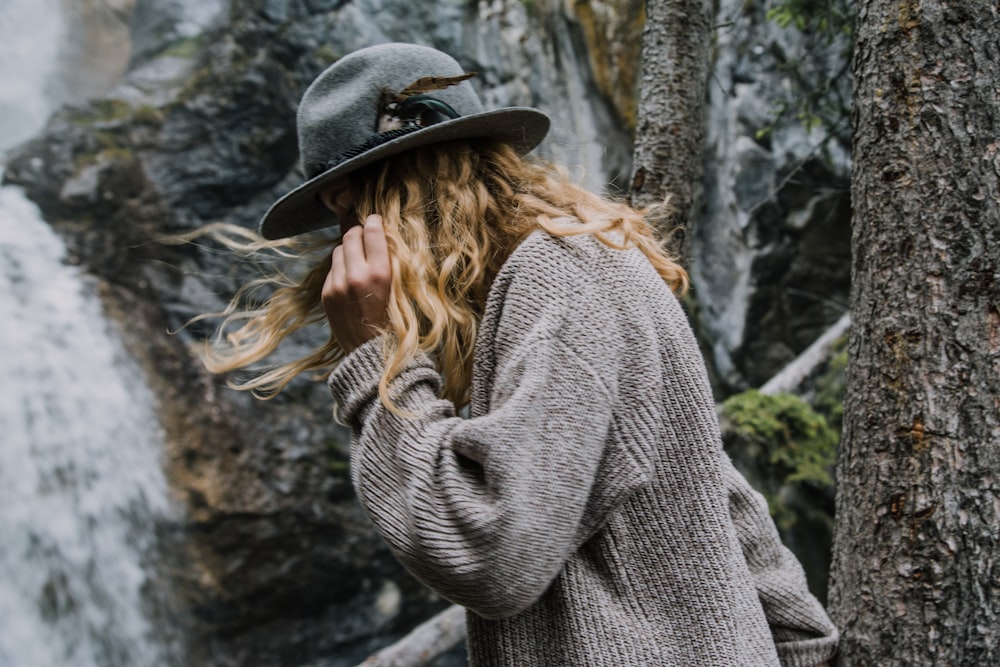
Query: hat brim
(301, 210)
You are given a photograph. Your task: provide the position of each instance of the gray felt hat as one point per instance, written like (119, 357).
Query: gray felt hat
(378, 102)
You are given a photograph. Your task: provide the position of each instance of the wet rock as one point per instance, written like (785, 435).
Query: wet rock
(771, 243)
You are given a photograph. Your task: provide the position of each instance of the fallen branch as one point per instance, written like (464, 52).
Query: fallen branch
(801, 367)
(424, 643)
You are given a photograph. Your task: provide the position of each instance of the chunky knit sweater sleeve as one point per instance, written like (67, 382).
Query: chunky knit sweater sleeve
(487, 510)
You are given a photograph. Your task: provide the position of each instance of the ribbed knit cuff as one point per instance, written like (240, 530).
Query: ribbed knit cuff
(354, 382)
(807, 652)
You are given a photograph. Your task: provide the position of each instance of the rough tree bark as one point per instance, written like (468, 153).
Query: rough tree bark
(670, 123)
(916, 563)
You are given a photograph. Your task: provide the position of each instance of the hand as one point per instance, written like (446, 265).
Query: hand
(356, 291)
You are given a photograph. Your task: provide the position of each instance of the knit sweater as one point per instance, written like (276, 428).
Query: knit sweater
(584, 513)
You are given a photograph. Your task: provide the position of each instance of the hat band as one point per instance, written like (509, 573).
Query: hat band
(372, 142)
(415, 113)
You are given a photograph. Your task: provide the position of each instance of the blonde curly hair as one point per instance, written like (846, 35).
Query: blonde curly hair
(452, 214)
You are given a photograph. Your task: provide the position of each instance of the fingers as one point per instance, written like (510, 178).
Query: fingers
(353, 249)
(376, 249)
(365, 256)
(357, 287)
(335, 284)
(337, 278)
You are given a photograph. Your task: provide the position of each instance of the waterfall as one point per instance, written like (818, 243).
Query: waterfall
(80, 482)
(81, 487)
(31, 32)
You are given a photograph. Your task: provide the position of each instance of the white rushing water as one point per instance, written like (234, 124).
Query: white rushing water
(31, 32)
(81, 485)
(80, 482)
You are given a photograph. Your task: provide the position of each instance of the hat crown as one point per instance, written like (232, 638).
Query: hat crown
(376, 103)
(341, 109)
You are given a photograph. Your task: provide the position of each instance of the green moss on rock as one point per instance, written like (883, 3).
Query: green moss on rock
(327, 54)
(148, 114)
(186, 47)
(108, 110)
(798, 440)
(106, 146)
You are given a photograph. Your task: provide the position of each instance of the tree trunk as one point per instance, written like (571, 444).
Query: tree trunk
(670, 123)
(916, 563)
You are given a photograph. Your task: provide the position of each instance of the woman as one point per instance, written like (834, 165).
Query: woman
(584, 512)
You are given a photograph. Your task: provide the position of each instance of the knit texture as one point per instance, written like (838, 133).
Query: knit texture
(585, 513)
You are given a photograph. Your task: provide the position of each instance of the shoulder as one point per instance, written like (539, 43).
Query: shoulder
(565, 265)
(540, 283)
(549, 275)
(575, 288)
(545, 261)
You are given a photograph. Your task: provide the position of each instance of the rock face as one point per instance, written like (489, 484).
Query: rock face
(275, 564)
(772, 243)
